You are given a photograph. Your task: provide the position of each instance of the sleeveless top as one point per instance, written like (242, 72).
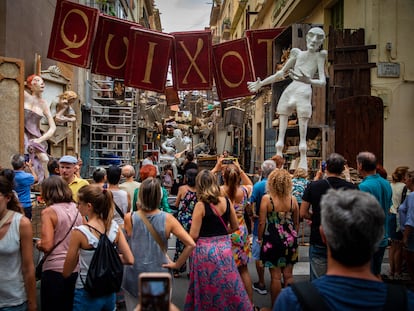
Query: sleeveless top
(12, 290)
(66, 213)
(121, 199)
(85, 255)
(147, 253)
(211, 224)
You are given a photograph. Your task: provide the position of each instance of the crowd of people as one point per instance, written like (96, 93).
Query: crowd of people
(221, 222)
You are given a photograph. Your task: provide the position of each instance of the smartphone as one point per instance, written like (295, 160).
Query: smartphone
(323, 166)
(154, 291)
(26, 158)
(229, 160)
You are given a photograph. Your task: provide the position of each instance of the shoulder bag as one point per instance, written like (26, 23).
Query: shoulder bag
(39, 266)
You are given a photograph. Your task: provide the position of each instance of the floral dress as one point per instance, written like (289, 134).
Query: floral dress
(184, 216)
(240, 238)
(280, 242)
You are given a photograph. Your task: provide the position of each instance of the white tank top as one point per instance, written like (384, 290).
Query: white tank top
(12, 291)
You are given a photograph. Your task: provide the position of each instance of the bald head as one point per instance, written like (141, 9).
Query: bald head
(128, 171)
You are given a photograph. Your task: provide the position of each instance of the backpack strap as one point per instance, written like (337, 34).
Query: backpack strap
(396, 298)
(309, 297)
(403, 194)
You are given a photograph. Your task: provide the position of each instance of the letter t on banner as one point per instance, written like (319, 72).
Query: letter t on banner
(73, 30)
(192, 64)
(148, 59)
(232, 68)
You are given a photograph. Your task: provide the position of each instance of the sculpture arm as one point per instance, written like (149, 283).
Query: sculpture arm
(52, 125)
(321, 69)
(280, 74)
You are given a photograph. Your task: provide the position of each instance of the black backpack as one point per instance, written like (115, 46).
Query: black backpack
(105, 270)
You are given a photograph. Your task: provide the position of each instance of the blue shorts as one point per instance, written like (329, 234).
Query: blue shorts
(255, 248)
(410, 242)
(82, 301)
(393, 234)
(22, 307)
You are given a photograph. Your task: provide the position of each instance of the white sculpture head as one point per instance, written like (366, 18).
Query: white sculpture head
(314, 38)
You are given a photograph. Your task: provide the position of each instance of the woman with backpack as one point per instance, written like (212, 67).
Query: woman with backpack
(97, 206)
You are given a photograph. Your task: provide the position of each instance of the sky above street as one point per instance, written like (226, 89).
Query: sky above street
(184, 15)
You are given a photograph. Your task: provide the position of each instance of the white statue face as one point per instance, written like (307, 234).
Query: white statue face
(37, 84)
(314, 38)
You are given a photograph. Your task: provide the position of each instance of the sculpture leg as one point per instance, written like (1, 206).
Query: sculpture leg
(303, 127)
(283, 121)
(44, 159)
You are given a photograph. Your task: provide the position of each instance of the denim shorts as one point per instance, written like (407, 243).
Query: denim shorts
(22, 307)
(410, 242)
(82, 301)
(318, 261)
(393, 234)
(255, 248)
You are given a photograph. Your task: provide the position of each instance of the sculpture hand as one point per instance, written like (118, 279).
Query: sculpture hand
(301, 77)
(255, 86)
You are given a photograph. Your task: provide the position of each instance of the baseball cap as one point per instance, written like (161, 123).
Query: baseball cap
(68, 159)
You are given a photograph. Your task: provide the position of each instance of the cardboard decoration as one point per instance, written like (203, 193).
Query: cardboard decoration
(73, 31)
(261, 48)
(192, 61)
(232, 68)
(110, 48)
(148, 59)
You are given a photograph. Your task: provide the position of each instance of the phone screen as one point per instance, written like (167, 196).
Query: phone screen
(155, 293)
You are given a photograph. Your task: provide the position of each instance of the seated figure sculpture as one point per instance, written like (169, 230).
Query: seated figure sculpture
(64, 109)
(173, 150)
(35, 142)
(301, 67)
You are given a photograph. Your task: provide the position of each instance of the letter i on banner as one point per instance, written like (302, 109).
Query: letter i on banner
(110, 48)
(148, 59)
(73, 30)
(192, 63)
(232, 68)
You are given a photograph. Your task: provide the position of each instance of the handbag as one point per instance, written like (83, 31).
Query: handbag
(39, 266)
(154, 234)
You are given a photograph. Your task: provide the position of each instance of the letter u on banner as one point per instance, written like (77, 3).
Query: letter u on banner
(73, 30)
(232, 68)
(192, 61)
(110, 48)
(148, 59)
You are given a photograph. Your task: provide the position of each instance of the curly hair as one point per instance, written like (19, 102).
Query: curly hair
(279, 183)
(300, 173)
(399, 174)
(208, 190)
(232, 180)
(146, 171)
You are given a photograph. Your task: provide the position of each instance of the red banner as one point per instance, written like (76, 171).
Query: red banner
(148, 59)
(110, 49)
(232, 68)
(192, 61)
(261, 43)
(74, 27)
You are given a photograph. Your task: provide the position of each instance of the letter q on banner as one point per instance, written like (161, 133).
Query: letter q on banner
(73, 30)
(232, 68)
(148, 59)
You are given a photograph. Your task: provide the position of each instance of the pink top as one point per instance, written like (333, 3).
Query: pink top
(66, 213)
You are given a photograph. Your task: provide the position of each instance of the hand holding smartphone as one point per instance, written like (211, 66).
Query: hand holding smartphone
(155, 291)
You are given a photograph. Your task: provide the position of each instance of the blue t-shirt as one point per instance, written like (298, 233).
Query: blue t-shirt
(259, 190)
(22, 183)
(343, 293)
(381, 189)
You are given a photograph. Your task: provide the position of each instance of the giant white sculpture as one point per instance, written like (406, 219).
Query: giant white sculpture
(301, 67)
